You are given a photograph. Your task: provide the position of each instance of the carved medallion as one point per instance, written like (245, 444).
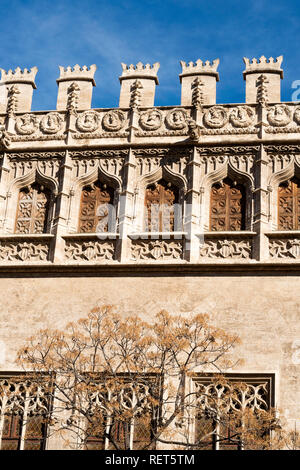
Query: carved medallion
(176, 119)
(151, 120)
(51, 123)
(279, 115)
(297, 115)
(113, 120)
(26, 124)
(241, 116)
(215, 117)
(88, 121)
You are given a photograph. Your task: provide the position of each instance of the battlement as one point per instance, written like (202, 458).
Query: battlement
(19, 76)
(200, 68)
(140, 71)
(263, 65)
(77, 73)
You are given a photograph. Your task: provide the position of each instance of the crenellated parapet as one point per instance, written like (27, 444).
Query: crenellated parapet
(146, 75)
(255, 71)
(79, 79)
(198, 82)
(16, 88)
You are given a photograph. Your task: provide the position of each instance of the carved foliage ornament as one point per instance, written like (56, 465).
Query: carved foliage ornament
(151, 120)
(27, 124)
(88, 121)
(156, 250)
(24, 251)
(226, 249)
(113, 120)
(51, 123)
(284, 248)
(90, 250)
(279, 115)
(176, 119)
(241, 116)
(215, 117)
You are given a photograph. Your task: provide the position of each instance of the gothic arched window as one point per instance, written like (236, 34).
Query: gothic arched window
(33, 209)
(96, 208)
(160, 200)
(227, 206)
(289, 205)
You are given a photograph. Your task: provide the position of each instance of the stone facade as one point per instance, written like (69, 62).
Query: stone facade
(247, 278)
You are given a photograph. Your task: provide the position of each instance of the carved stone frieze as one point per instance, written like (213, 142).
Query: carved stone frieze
(229, 150)
(113, 120)
(101, 135)
(241, 116)
(284, 248)
(151, 120)
(158, 250)
(230, 131)
(176, 119)
(279, 115)
(88, 121)
(226, 248)
(163, 133)
(215, 117)
(30, 250)
(27, 124)
(51, 123)
(98, 153)
(89, 250)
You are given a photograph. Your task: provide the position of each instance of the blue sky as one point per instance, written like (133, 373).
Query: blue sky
(51, 33)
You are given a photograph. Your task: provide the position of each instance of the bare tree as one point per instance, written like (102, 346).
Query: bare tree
(121, 383)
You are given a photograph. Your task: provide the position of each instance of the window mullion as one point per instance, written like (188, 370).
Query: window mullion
(24, 422)
(2, 416)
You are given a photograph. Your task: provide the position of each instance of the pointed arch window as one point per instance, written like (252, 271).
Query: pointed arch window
(33, 209)
(289, 205)
(227, 206)
(160, 203)
(96, 208)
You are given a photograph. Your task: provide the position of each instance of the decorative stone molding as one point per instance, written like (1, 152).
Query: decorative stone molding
(88, 248)
(279, 115)
(241, 116)
(51, 123)
(286, 245)
(27, 124)
(113, 120)
(158, 250)
(215, 117)
(226, 246)
(88, 121)
(176, 119)
(151, 120)
(27, 248)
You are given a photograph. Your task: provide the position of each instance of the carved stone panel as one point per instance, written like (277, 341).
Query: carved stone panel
(89, 250)
(227, 206)
(284, 248)
(158, 250)
(25, 250)
(289, 205)
(226, 248)
(32, 212)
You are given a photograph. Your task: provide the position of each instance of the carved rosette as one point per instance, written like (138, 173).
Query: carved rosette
(215, 117)
(113, 120)
(176, 119)
(279, 115)
(13, 250)
(151, 120)
(226, 249)
(89, 250)
(51, 123)
(158, 250)
(27, 124)
(241, 116)
(88, 121)
(284, 248)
